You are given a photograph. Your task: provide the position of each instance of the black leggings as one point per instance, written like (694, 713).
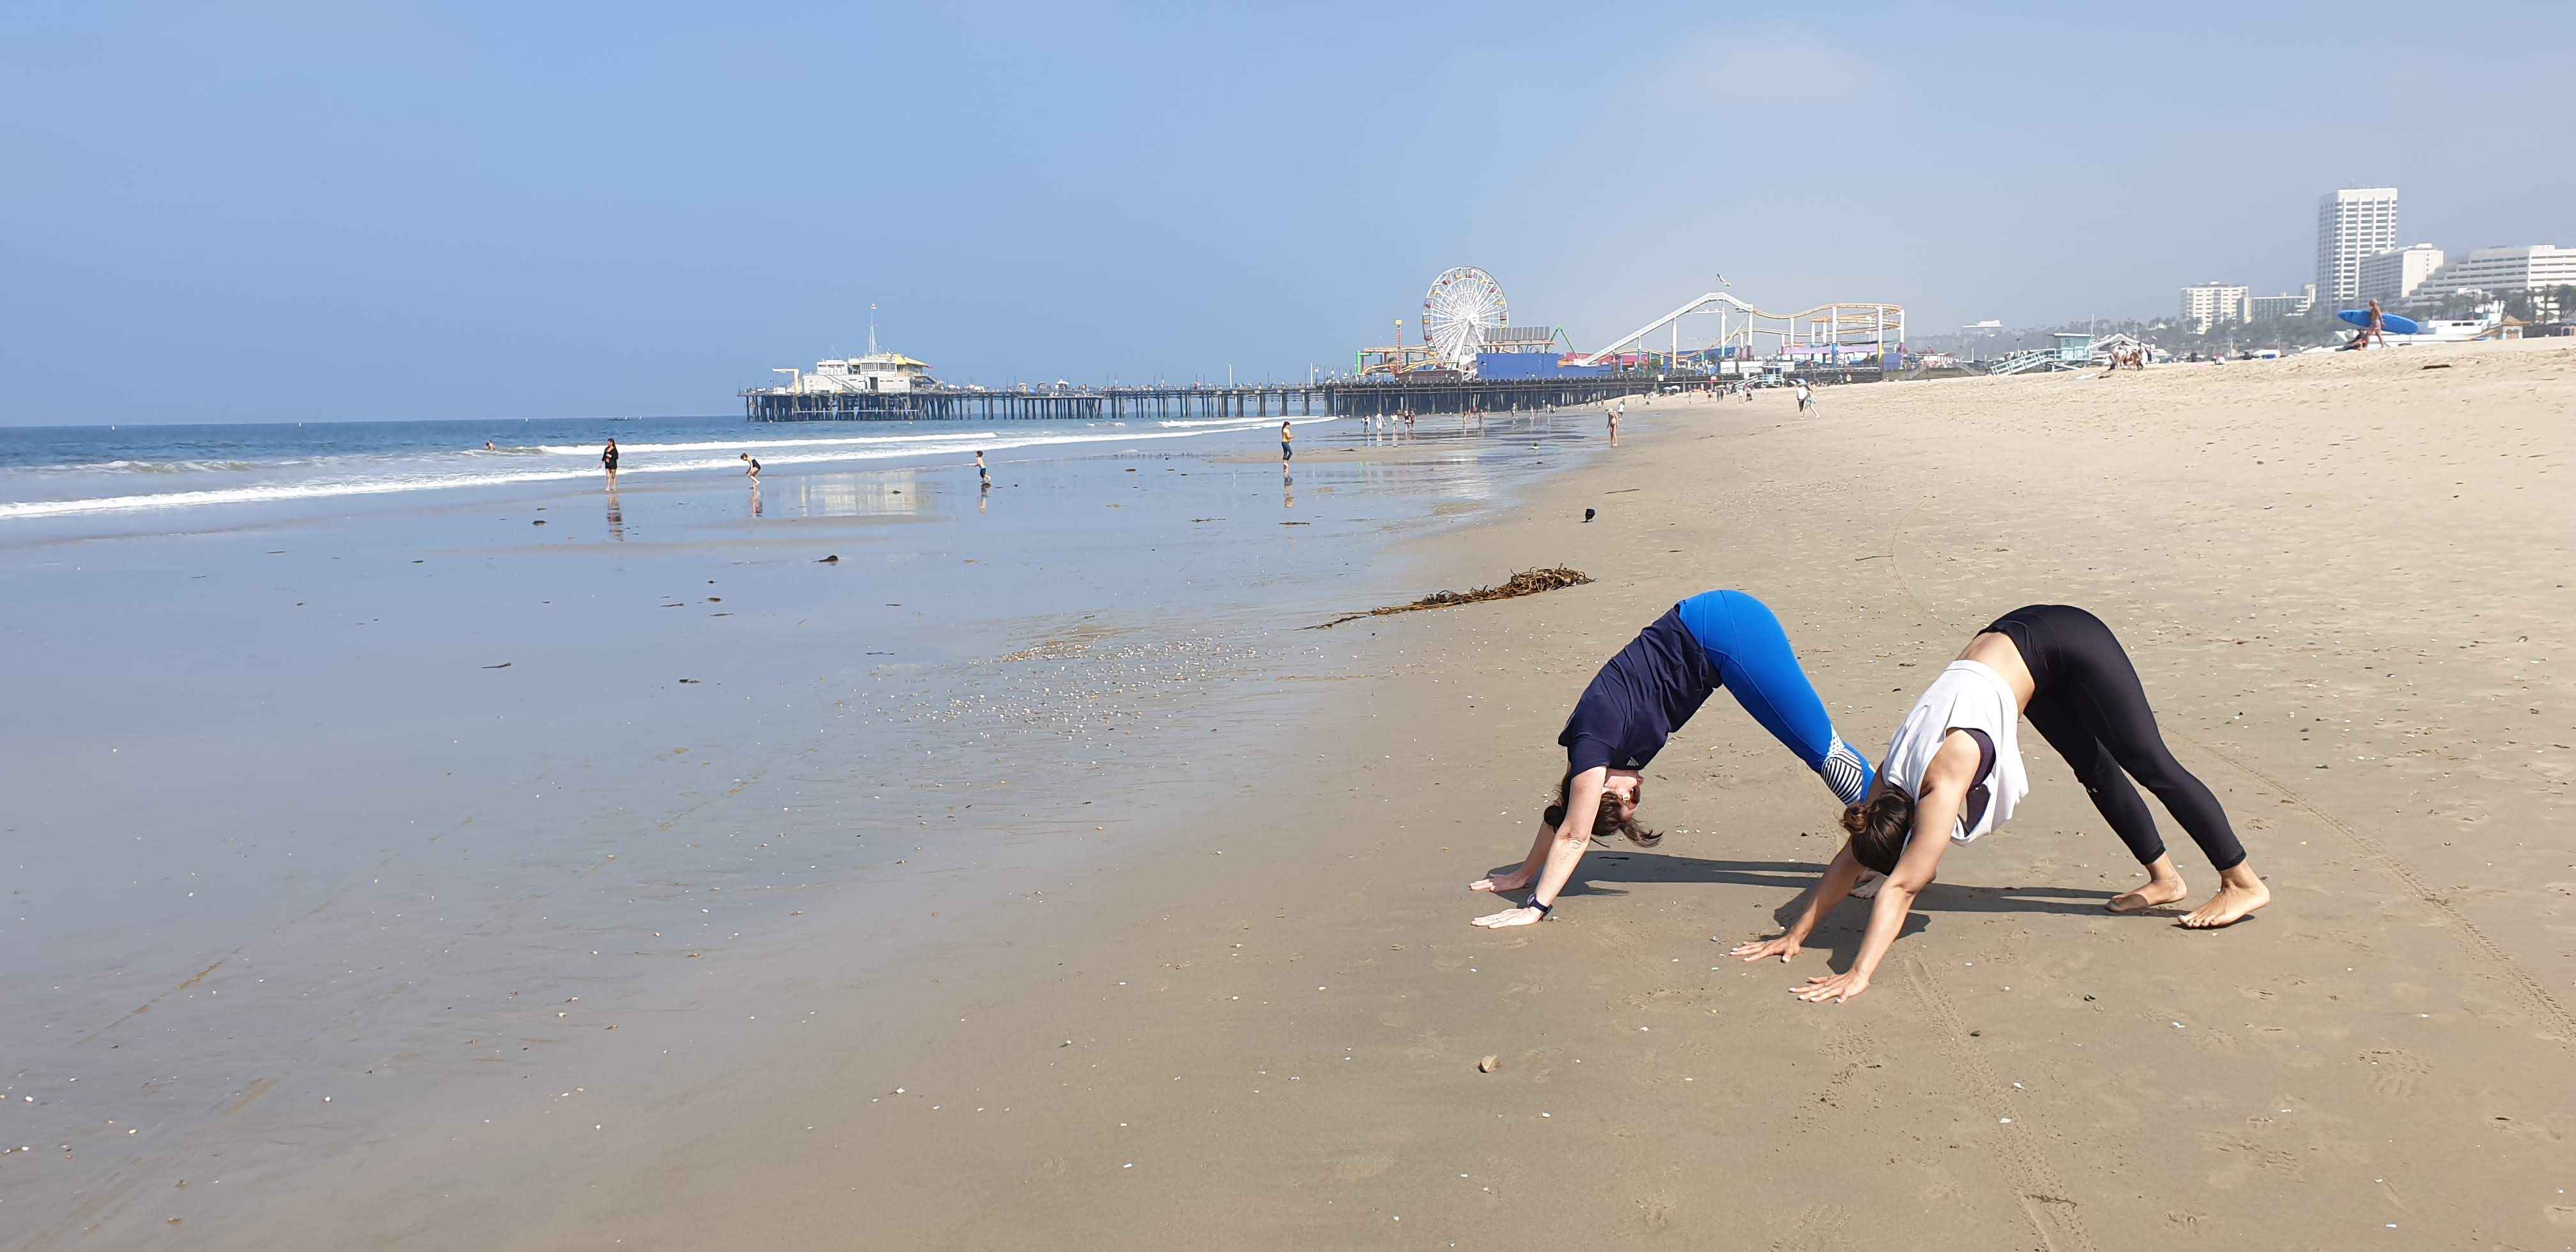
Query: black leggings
(2087, 702)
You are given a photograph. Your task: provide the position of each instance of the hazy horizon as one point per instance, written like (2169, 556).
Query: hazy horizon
(297, 212)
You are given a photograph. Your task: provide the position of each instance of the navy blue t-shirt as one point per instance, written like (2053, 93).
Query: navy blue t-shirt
(1640, 698)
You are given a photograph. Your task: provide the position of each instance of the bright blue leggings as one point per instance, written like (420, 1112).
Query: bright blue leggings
(1757, 666)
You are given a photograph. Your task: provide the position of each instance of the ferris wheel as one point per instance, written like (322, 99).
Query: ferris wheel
(1459, 313)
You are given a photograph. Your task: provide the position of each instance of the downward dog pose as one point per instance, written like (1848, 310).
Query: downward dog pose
(1954, 769)
(1637, 701)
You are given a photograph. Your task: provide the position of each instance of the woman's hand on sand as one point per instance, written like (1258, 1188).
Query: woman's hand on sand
(1523, 916)
(1782, 947)
(1832, 988)
(1501, 882)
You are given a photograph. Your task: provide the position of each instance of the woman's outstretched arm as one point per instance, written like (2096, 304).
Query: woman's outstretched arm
(1821, 900)
(1945, 788)
(1582, 804)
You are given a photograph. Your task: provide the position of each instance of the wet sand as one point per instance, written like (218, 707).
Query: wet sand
(2344, 581)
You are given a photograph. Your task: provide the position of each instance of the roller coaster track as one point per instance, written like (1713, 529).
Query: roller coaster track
(1875, 319)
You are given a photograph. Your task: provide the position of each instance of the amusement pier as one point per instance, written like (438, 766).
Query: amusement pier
(1468, 357)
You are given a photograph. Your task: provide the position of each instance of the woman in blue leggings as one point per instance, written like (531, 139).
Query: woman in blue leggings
(1714, 639)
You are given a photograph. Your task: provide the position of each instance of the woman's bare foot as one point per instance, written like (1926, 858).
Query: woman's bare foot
(2160, 890)
(2237, 896)
(1500, 882)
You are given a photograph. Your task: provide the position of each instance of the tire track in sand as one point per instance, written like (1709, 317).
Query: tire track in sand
(2498, 962)
(2053, 1215)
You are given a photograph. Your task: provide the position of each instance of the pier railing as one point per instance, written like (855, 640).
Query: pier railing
(1346, 398)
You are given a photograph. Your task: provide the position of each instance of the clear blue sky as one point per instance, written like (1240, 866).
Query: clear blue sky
(249, 211)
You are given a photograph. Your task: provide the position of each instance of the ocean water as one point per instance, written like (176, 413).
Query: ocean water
(363, 781)
(91, 471)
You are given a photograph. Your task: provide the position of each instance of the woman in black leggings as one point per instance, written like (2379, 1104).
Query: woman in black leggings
(1953, 772)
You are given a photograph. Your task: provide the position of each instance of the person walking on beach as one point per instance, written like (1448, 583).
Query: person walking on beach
(608, 461)
(1286, 452)
(2378, 324)
(754, 471)
(1641, 696)
(983, 476)
(1615, 407)
(1806, 398)
(1953, 772)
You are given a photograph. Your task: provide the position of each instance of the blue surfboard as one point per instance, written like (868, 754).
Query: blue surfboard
(2389, 322)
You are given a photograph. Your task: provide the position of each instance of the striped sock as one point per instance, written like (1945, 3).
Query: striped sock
(1845, 772)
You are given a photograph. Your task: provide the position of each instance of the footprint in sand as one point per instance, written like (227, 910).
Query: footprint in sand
(2394, 1073)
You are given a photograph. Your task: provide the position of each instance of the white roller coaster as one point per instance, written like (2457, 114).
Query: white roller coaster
(1825, 328)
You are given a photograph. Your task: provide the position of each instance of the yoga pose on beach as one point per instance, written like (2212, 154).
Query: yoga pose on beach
(1637, 701)
(1953, 772)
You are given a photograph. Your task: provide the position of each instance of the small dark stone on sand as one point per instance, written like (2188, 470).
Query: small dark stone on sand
(688, 680)
(539, 522)
(1587, 515)
(833, 559)
(502, 665)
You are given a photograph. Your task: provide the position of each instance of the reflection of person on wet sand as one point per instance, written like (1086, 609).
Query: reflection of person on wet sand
(616, 517)
(608, 461)
(1953, 772)
(755, 497)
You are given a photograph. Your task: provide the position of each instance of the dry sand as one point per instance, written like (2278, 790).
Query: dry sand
(2344, 579)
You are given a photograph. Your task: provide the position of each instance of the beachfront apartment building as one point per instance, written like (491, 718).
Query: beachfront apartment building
(2216, 302)
(2353, 223)
(2395, 274)
(2495, 271)
(2261, 308)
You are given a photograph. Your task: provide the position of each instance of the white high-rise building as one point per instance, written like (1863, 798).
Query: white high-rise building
(2496, 271)
(2395, 274)
(2216, 302)
(2352, 223)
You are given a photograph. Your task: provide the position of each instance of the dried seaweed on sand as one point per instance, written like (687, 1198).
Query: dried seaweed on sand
(1528, 582)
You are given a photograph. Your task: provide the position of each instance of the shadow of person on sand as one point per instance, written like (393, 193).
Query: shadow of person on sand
(1841, 932)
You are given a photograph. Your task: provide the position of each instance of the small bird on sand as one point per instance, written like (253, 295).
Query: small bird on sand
(1587, 515)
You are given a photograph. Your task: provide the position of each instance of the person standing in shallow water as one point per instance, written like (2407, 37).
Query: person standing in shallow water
(608, 461)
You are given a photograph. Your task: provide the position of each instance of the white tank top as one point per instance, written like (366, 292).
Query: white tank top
(1967, 696)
